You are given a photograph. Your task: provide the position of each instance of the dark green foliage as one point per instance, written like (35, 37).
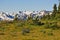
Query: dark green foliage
(59, 8)
(55, 8)
(37, 22)
(48, 17)
(54, 11)
(57, 17)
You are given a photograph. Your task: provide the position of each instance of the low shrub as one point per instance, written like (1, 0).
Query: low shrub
(13, 33)
(2, 33)
(43, 31)
(50, 34)
(25, 31)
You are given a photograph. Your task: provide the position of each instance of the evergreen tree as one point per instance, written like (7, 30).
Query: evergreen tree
(59, 7)
(54, 10)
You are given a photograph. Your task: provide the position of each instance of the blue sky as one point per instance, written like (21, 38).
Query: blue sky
(16, 5)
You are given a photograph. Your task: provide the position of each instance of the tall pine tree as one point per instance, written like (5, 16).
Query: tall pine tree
(54, 10)
(59, 7)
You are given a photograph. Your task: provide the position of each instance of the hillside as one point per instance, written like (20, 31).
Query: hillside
(48, 29)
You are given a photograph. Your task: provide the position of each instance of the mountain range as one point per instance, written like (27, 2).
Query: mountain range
(23, 15)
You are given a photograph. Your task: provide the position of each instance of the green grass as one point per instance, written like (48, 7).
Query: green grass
(13, 30)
